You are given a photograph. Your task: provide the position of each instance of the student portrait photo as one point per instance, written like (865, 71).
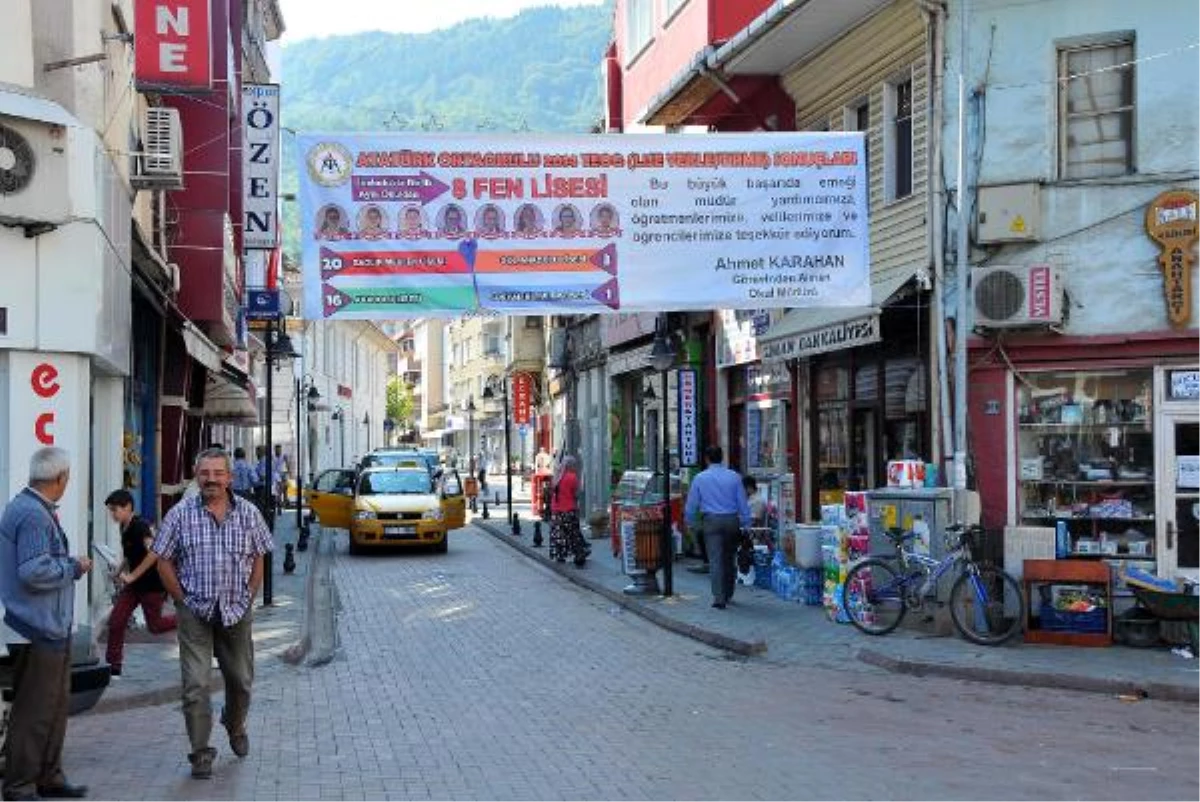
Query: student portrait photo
(412, 222)
(371, 222)
(489, 221)
(528, 221)
(567, 220)
(604, 221)
(452, 221)
(332, 222)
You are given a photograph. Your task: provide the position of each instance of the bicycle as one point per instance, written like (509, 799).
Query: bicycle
(879, 590)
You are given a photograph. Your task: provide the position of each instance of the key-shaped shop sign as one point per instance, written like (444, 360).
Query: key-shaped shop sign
(1171, 221)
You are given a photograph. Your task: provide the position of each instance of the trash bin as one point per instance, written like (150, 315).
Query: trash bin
(537, 494)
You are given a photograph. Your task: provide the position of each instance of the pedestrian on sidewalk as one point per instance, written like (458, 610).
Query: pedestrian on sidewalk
(140, 582)
(566, 537)
(245, 477)
(716, 503)
(37, 587)
(211, 560)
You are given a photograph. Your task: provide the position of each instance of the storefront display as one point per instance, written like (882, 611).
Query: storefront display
(1086, 460)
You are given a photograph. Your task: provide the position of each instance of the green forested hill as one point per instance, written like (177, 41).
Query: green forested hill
(537, 71)
(540, 69)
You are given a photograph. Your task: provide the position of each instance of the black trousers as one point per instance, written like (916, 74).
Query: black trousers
(37, 722)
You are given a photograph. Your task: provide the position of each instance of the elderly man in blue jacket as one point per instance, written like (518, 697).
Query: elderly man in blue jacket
(37, 587)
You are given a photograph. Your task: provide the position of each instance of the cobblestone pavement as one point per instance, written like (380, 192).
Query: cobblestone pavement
(479, 674)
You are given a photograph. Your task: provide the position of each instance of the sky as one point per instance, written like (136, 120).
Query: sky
(306, 19)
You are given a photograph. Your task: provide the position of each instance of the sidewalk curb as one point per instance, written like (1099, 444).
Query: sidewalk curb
(1067, 682)
(706, 636)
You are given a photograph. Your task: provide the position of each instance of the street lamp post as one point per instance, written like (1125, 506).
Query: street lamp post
(313, 395)
(662, 357)
(472, 465)
(367, 423)
(488, 394)
(279, 347)
(339, 415)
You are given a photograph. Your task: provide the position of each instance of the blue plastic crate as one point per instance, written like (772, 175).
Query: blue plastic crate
(1053, 620)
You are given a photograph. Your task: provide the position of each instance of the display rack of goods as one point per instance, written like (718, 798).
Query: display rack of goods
(1085, 461)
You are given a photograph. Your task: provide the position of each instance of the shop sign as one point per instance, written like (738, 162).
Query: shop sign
(623, 327)
(766, 380)
(1171, 221)
(835, 337)
(689, 423)
(522, 395)
(1187, 471)
(1185, 385)
(260, 166)
(172, 51)
(262, 304)
(737, 338)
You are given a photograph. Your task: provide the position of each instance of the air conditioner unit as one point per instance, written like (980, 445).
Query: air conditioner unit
(160, 164)
(1017, 296)
(34, 172)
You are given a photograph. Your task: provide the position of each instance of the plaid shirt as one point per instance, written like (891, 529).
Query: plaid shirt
(214, 560)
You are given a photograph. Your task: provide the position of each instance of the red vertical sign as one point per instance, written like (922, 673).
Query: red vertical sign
(172, 45)
(522, 387)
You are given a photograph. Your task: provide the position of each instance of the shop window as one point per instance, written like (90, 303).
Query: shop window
(833, 427)
(1095, 107)
(1085, 451)
(905, 403)
(766, 427)
(866, 382)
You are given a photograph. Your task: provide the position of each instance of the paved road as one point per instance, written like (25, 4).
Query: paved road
(479, 675)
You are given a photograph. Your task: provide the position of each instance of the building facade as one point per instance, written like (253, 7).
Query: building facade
(1082, 147)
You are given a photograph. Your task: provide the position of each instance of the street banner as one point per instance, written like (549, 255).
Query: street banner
(522, 396)
(400, 224)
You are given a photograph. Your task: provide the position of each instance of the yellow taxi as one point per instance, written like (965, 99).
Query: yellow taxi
(399, 505)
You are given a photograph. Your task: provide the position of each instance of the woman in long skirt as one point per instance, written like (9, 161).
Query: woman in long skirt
(566, 538)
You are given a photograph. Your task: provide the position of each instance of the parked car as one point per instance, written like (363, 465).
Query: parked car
(403, 505)
(398, 456)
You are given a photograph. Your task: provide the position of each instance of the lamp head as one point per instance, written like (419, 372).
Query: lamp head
(662, 355)
(488, 393)
(366, 419)
(282, 347)
(313, 393)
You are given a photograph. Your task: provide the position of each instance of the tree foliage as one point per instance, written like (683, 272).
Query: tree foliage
(538, 71)
(400, 402)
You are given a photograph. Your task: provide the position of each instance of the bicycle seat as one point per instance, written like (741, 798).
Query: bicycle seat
(898, 535)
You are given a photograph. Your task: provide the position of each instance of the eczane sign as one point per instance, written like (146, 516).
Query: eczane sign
(172, 45)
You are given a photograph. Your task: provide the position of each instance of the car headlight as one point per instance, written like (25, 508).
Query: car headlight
(364, 515)
(435, 513)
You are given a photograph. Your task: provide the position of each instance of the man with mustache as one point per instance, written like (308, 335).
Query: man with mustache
(210, 556)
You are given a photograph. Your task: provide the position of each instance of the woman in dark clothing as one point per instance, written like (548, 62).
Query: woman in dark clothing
(566, 538)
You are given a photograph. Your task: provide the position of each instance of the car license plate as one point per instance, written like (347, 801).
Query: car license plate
(399, 531)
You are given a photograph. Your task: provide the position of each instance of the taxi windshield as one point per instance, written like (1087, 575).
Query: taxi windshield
(400, 482)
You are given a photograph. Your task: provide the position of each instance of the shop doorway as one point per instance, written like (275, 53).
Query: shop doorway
(1179, 499)
(864, 464)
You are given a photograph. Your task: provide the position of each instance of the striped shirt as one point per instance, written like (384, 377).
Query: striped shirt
(214, 560)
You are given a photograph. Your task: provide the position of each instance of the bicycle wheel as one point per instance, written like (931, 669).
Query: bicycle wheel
(873, 597)
(987, 606)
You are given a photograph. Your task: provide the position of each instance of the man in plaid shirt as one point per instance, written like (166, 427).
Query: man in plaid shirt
(210, 555)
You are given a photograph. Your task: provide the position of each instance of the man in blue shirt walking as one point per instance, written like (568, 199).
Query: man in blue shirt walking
(717, 504)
